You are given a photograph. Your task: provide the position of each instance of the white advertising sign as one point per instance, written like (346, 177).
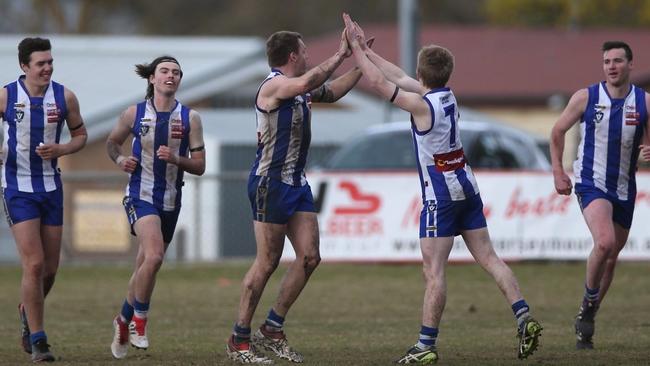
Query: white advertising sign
(375, 217)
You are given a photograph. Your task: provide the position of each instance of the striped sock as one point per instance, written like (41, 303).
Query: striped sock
(427, 338)
(591, 295)
(141, 309)
(274, 322)
(127, 312)
(521, 311)
(241, 334)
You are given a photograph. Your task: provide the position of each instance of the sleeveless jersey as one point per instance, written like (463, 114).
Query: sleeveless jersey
(154, 180)
(611, 131)
(444, 173)
(29, 121)
(283, 138)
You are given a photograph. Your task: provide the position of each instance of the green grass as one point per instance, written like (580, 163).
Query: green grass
(347, 315)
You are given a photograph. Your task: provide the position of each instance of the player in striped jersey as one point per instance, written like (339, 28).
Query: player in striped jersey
(613, 117)
(164, 133)
(451, 201)
(281, 199)
(34, 109)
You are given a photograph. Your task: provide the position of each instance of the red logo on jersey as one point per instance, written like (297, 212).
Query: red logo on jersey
(177, 129)
(632, 118)
(53, 115)
(450, 161)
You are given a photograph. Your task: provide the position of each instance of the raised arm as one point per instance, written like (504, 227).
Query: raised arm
(406, 100)
(395, 74)
(117, 137)
(336, 89)
(568, 118)
(332, 91)
(195, 164)
(282, 87)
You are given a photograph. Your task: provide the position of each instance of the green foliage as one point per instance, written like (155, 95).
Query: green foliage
(569, 13)
(347, 315)
(527, 13)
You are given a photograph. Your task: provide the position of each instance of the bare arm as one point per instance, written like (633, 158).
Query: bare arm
(395, 74)
(195, 164)
(3, 102)
(406, 100)
(117, 137)
(645, 144)
(568, 118)
(78, 134)
(333, 91)
(283, 87)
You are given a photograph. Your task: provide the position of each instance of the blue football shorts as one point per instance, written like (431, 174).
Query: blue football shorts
(440, 219)
(22, 206)
(275, 202)
(136, 208)
(623, 210)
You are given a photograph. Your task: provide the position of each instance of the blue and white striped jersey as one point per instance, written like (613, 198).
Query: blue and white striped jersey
(611, 131)
(283, 138)
(29, 121)
(154, 180)
(444, 172)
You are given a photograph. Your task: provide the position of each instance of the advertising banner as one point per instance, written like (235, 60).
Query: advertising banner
(375, 217)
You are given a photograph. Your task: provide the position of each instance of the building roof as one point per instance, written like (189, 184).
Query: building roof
(500, 65)
(99, 69)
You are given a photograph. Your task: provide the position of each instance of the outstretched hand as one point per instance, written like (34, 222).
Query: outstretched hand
(355, 34)
(347, 51)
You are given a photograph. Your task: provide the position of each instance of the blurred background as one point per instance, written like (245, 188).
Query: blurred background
(517, 63)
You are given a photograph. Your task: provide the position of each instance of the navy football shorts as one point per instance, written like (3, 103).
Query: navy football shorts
(137, 208)
(22, 206)
(623, 210)
(275, 202)
(440, 219)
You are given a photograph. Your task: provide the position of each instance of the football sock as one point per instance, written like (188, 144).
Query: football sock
(37, 336)
(521, 311)
(141, 309)
(242, 334)
(127, 312)
(591, 294)
(427, 338)
(274, 322)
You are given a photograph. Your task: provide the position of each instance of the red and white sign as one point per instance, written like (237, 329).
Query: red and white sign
(375, 217)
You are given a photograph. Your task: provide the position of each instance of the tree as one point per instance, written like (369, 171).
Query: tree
(569, 13)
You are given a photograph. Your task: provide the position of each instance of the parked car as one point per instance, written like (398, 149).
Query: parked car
(487, 145)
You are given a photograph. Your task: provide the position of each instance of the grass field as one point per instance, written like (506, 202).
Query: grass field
(348, 315)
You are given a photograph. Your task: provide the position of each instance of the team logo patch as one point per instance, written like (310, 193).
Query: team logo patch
(20, 114)
(144, 130)
(598, 116)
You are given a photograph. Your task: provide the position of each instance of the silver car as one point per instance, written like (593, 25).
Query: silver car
(487, 145)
